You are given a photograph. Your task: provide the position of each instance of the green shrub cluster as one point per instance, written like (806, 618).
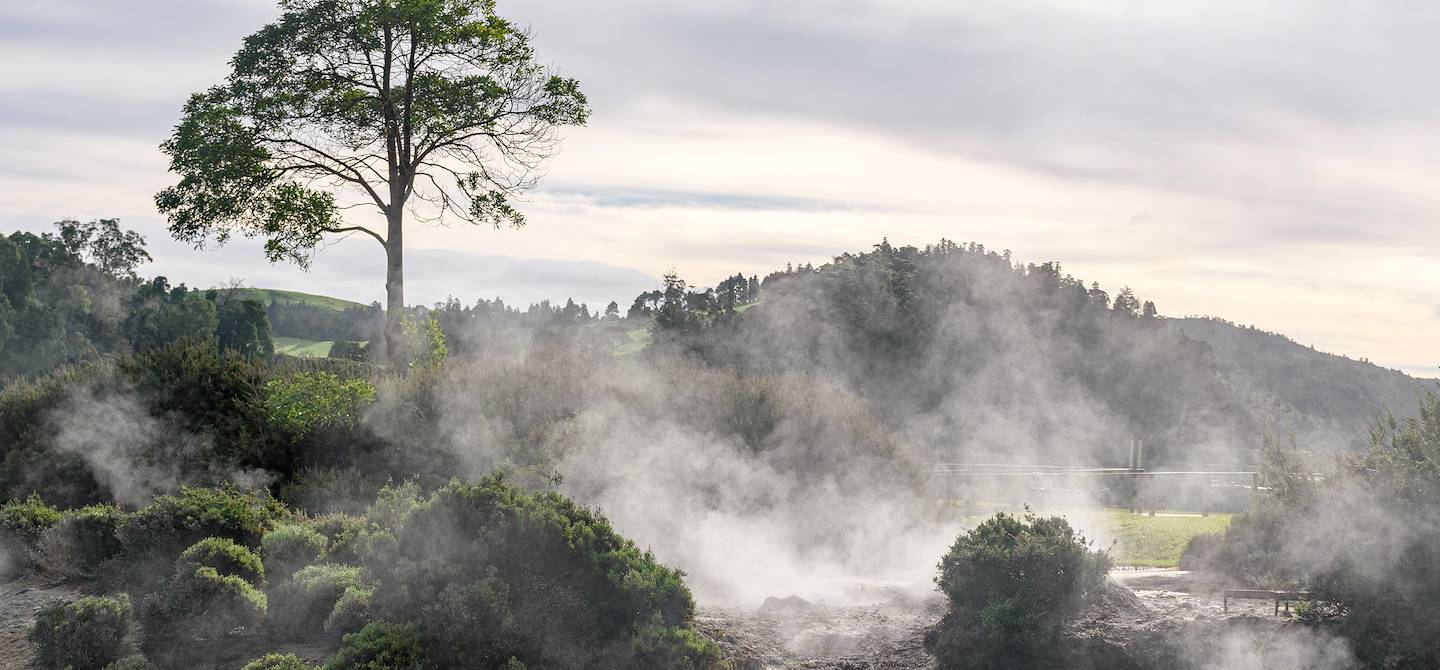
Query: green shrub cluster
(487, 573)
(86, 634)
(82, 541)
(27, 519)
(174, 522)
(309, 601)
(21, 525)
(1012, 583)
(200, 604)
(291, 546)
(383, 646)
(222, 555)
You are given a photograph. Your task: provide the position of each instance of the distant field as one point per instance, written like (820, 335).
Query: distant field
(294, 346)
(1156, 542)
(635, 341)
(269, 296)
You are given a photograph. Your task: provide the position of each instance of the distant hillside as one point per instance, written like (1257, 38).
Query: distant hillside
(1326, 401)
(270, 296)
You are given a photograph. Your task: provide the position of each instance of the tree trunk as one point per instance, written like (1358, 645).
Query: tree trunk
(394, 289)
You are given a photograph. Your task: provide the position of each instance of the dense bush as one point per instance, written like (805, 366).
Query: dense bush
(289, 547)
(382, 646)
(325, 489)
(199, 415)
(1012, 583)
(87, 634)
(303, 604)
(190, 617)
(487, 572)
(26, 520)
(345, 536)
(21, 525)
(1200, 551)
(174, 522)
(277, 662)
(310, 401)
(82, 540)
(225, 557)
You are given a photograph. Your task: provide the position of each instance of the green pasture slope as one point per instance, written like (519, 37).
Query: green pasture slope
(270, 296)
(294, 346)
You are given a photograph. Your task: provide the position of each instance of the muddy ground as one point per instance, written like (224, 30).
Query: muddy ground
(883, 630)
(887, 633)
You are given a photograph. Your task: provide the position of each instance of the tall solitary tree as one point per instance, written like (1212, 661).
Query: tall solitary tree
(435, 109)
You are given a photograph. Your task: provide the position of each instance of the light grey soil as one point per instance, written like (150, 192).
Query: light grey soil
(788, 633)
(20, 601)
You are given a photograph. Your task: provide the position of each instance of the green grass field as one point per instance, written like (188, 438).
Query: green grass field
(294, 346)
(1156, 542)
(635, 341)
(268, 296)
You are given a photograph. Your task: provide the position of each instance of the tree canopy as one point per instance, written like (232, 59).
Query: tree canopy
(436, 107)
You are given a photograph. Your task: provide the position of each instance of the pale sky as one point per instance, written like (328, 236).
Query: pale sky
(1267, 162)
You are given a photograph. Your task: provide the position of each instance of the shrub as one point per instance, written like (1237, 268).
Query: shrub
(1201, 551)
(82, 540)
(27, 519)
(330, 489)
(351, 611)
(21, 525)
(219, 395)
(381, 646)
(225, 557)
(345, 536)
(86, 634)
(200, 605)
(311, 401)
(1012, 582)
(289, 547)
(198, 608)
(304, 602)
(174, 522)
(463, 567)
(278, 662)
(28, 461)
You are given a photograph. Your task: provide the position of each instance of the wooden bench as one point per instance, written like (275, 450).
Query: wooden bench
(1278, 596)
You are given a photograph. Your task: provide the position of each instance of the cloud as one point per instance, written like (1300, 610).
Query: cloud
(1267, 141)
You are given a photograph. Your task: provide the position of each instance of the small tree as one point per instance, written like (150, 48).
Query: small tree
(1012, 583)
(435, 106)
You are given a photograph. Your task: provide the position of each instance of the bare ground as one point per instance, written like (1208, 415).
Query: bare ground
(20, 601)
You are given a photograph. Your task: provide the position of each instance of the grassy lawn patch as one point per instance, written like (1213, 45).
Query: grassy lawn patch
(270, 296)
(1146, 541)
(635, 341)
(294, 346)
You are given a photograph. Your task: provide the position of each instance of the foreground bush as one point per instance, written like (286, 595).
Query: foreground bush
(304, 603)
(21, 525)
(81, 542)
(1012, 583)
(487, 573)
(289, 547)
(382, 645)
(174, 522)
(87, 634)
(200, 605)
(225, 557)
